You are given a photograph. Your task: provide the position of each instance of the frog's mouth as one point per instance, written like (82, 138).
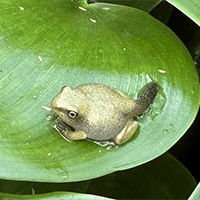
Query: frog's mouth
(68, 127)
(60, 121)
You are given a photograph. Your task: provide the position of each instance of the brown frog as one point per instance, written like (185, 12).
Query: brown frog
(100, 113)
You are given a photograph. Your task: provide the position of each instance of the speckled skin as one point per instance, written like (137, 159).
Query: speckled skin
(102, 112)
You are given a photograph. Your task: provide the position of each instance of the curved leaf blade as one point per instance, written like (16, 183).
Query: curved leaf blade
(144, 5)
(189, 8)
(121, 47)
(163, 178)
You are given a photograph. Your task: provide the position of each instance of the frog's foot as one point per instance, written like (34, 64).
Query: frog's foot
(105, 143)
(67, 132)
(62, 130)
(108, 144)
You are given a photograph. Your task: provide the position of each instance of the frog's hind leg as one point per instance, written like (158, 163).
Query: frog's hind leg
(126, 133)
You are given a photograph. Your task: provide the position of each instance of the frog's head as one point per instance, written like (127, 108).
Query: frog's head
(68, 105)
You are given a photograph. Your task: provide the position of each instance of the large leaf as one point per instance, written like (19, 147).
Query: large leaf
(145, 5)
(163, 178)
(48, 44)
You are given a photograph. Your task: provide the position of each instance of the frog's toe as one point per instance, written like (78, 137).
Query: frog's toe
(58, 127)
(105, 143)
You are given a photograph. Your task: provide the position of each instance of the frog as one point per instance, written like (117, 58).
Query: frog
(99, 112)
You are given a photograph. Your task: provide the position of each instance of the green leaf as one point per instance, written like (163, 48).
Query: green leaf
(53, 196)
(48, 44)
(30, 187)
(163, 178)
(189, 8)
(196, 193)
(144, 5)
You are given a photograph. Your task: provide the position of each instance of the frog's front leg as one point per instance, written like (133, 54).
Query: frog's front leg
(67, 132)
(126, 133)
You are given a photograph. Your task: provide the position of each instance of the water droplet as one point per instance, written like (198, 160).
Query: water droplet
(49, 117)
(21, 8)
(158, 104)
(165, 131)
(65, 176)
(62, 172)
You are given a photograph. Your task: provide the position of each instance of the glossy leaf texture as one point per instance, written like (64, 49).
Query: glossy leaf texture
(163, 178)
(48, 44)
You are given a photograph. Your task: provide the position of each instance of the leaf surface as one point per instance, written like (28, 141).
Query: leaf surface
(48, 44)
(163, 178)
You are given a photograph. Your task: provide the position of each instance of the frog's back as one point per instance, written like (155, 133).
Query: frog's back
(100, 91)
(106, 110)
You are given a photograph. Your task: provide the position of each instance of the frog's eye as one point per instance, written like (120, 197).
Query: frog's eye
(72, 114)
